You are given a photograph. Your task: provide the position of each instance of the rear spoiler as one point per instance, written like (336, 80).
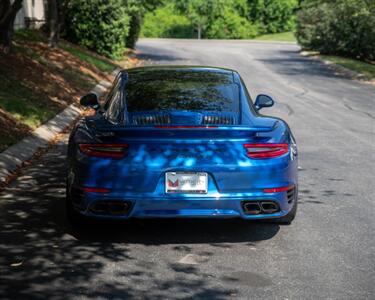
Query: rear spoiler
(178, 132)
(184, 128)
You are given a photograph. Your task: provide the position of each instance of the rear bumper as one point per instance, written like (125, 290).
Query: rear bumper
(182, 206)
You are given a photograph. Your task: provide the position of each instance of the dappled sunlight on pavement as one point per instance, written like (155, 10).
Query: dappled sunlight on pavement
(43, 257)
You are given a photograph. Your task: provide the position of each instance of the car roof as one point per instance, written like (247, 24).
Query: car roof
(170, 71)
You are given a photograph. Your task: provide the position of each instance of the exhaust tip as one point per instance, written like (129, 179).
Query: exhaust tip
(251, 208)
(269, 207)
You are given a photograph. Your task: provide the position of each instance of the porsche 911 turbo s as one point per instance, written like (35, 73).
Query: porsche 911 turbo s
(181, 141)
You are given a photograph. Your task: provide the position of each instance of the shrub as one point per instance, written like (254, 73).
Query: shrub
(164, 22)
(231, 26)
(101, 26)
(273, 16)
(134, 30)
(339, 27)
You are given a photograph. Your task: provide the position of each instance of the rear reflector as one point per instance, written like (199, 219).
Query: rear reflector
(265, 150)
(279, 189)
(104, 150)
(95, 190)
(182, 126)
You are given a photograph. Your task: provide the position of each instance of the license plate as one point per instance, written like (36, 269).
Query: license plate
(186, 182)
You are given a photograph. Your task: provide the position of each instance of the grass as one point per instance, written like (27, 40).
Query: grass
(364, 68)
(22, 104)
(36, 82)
(101, 63)
(278, 37)
(29, 35)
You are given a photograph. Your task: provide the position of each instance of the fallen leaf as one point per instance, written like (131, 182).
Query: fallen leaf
(16, 264)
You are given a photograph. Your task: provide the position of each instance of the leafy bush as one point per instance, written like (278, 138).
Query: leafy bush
(220, 18)
(137, 9)
(273, 16)
(134, 31)
(164, 22)
(231, 26)
(340, 27)
(101, 26)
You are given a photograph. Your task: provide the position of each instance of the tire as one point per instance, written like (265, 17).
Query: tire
(74, 217)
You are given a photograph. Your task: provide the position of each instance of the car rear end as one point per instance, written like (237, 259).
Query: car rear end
(199, 162)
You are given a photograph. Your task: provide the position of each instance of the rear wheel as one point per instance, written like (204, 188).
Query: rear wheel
(74, 217)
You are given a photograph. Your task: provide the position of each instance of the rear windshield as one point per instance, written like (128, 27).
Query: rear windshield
(197, 91)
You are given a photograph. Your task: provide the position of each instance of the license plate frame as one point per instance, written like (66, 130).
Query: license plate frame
(186, 182)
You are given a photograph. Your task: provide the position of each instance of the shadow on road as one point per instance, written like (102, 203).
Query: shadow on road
(291, 63)
(41, 257)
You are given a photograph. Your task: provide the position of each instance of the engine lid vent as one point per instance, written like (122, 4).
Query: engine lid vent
(151, 119)
(218, 120)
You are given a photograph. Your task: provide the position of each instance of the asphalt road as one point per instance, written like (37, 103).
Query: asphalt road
(327, 253)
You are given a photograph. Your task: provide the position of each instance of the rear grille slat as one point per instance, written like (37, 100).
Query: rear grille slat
(290, 194)
(218, 120)
(151, 119)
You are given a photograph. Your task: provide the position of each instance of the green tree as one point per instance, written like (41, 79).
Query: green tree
(165, 22)
(273, 16)
(230, 25)
(201, 13)
(99, 25)
(136, 10)
(341, 27)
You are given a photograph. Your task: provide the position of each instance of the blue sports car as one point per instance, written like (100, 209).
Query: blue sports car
(181, 141)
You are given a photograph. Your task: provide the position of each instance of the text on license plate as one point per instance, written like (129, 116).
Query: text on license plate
(186, 182)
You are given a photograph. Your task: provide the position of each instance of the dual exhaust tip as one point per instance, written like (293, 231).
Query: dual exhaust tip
(261, 207)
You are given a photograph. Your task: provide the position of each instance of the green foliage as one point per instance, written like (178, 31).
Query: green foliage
(101, 26)
(273, 16)
(101, 63)
(340, 27)
(201, 13)
(134, 31)
(230, 25)
(136, 10)
(164, 22)
(278, 37)
(22, 104)
(221, 18)
(367, 69)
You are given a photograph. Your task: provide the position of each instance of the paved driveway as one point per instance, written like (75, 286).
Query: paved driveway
(328, 252)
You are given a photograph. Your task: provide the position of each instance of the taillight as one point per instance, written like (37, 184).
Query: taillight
(265, 150)
(183, 126)
(279, 189)
(104, 150)
(95, 190)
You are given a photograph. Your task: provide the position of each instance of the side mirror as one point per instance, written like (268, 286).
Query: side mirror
(90, 100)
(263, 101)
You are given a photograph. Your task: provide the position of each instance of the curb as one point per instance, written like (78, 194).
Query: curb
(14, 157)
(340, 69)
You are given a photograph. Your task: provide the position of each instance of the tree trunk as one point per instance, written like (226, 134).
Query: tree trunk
(8, 14)
(53, 20)
(199, 32)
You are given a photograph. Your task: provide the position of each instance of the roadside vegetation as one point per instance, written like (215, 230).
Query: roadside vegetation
(43, 71)
(37, 82)
(365, 68)
(229, 19)
(278, 37)
(338, 27)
